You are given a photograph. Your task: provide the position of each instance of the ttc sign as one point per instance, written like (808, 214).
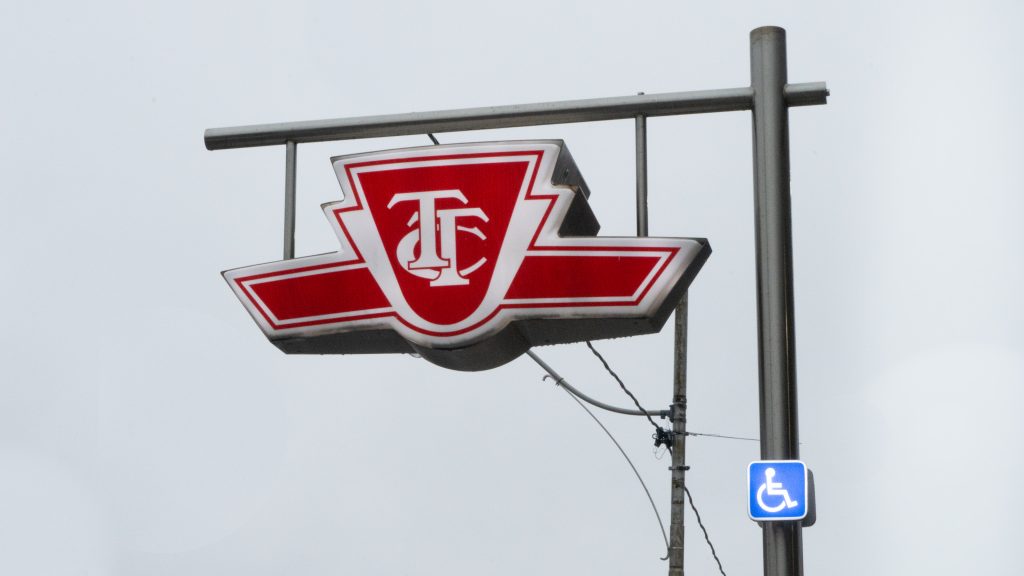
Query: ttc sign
(468, 255)
(777, 490)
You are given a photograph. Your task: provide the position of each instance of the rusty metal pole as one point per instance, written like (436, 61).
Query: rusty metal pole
(678, 413)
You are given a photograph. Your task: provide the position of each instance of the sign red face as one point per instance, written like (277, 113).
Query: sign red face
(468, 255)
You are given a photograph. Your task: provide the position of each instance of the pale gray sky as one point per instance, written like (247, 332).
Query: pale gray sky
(148, 427)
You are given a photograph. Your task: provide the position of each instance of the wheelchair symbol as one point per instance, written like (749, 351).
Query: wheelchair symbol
(772, 488)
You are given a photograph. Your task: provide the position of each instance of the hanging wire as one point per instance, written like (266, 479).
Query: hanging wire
(659, 428)
(657, 515)
(703, 529)
(560, 381)
(650, 499)
(622, 385)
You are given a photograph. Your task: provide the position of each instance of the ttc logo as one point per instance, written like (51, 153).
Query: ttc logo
(441, 271)
(467, 255)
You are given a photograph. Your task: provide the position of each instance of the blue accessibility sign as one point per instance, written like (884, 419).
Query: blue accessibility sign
(777, 490)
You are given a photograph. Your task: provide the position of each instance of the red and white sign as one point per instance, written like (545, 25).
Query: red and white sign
(469, 255)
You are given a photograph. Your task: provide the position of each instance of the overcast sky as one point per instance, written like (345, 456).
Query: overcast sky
(148, 427)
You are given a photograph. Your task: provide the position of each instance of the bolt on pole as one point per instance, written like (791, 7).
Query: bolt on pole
(782, 541)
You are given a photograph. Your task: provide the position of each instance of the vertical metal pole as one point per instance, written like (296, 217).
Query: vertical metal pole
(676, 528)
(289, 200)
(641, 175)
(678, 409)
(783, 547)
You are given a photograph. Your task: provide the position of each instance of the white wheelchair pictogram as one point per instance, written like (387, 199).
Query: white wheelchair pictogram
(772, 488)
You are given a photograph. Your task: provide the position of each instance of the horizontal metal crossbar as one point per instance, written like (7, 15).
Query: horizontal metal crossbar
(570, 111)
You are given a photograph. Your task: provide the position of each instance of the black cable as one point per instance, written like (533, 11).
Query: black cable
(701, 524)
(432, 139)
(621, 384)
(661, 525)
(659, 429)
(646, 412)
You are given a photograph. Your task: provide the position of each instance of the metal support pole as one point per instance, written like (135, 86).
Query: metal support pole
(289, 200)
(641, 175)
(676, 529)
(592, 110)
(783, 547)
